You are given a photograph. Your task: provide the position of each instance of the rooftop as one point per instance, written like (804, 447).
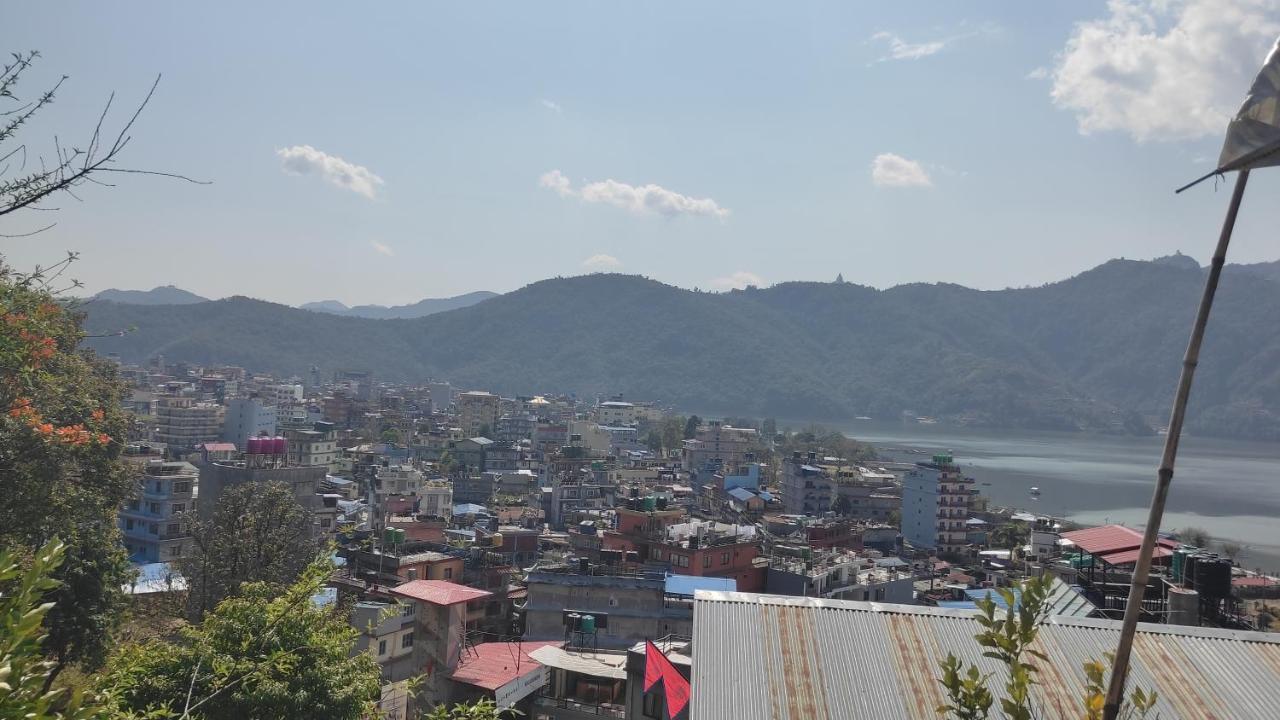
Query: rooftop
(1110, 543)
(494, 664)
(438, 592)
(773, 657)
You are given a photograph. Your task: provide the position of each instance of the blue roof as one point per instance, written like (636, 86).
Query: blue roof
(976, 594)
(890, 562)
(687, 584)
(958, 604)
(469, 509)
(766, 496)
(742, 494)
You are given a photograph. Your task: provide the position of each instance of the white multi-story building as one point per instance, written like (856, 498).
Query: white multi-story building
(616, 413)
(721, 444)
(154, 521)
(436, 498)
(246, 418)
(399, 480)
(935, 505)
(316, 446)
(185, 423)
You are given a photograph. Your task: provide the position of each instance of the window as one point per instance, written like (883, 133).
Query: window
(128, 524)
(679, 560)
(706, 560)
(175, 550)
(178, 508)
(182, 486)
(153, 529)
(159, 486)
(153, 508)
(409, 609)
(448, 573)
(171, 529)
(326, 522)
(407, 640)
(382, 647)
(724, 558)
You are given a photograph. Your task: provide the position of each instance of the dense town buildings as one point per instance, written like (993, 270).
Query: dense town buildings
(472, 560)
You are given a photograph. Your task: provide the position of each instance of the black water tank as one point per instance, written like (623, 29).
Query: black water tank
(1213, 578)
(584, 566)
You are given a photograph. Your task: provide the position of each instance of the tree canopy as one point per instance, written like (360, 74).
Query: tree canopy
(262, 654)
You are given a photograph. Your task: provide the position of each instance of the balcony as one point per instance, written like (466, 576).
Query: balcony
(569, 709)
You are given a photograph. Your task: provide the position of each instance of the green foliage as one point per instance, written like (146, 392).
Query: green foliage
(1008, 637)
(691, 427)
(24, 671)
(483, 709)
(264, 654)
(1196, 536)
(1054, 357)
(258, 533)
(60, 471)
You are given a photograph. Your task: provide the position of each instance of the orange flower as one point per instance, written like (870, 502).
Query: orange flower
(103, 439)
(45, 428)
(98, 415)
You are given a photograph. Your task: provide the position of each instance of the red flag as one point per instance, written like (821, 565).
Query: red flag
(675, 687)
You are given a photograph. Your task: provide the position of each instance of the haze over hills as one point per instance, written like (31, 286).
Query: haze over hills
(170, 295)
(422, 308)
(1099, 351)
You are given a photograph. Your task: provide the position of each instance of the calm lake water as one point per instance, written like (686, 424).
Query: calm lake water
(1229, 488)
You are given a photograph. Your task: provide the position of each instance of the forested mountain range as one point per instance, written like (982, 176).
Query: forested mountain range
(1098, 352)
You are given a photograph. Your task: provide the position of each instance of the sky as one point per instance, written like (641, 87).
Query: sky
(382, 153)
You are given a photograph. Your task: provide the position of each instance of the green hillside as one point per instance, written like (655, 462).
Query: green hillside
(1099, 351)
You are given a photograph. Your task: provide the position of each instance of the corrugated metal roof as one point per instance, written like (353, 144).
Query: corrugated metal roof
(1124, 557)
(1109, 539)
(494, 664)
(789, 658)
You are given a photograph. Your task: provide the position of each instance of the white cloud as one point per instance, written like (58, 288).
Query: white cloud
(890, 170)
(556, 180)
(551, 105)
(1039, 73)
(900, 49)
(381, 248)
(306, 160)
(638, 199)
(602, 262)
(737, 281)
(1164, 69)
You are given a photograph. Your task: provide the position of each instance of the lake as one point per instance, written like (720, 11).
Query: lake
(1230, 488)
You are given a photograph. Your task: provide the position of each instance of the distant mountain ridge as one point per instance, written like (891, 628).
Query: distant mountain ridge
(171, 295)
(1096, 352)
(163, 295)
(422, 308)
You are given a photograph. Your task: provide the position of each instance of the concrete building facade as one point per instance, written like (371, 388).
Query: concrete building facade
(936, 498)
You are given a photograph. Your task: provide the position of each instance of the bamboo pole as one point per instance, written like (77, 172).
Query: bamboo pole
(1164, 477)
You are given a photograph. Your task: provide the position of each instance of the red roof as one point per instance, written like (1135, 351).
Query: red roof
(1124, 557)
(438, 592)
(494, 664)
(1253, 581)
(1110, 539)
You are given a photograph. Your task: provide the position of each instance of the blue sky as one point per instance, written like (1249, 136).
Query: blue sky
(386, 153)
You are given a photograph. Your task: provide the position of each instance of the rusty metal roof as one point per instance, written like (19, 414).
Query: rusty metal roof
(1109, 539)
(789, 658)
